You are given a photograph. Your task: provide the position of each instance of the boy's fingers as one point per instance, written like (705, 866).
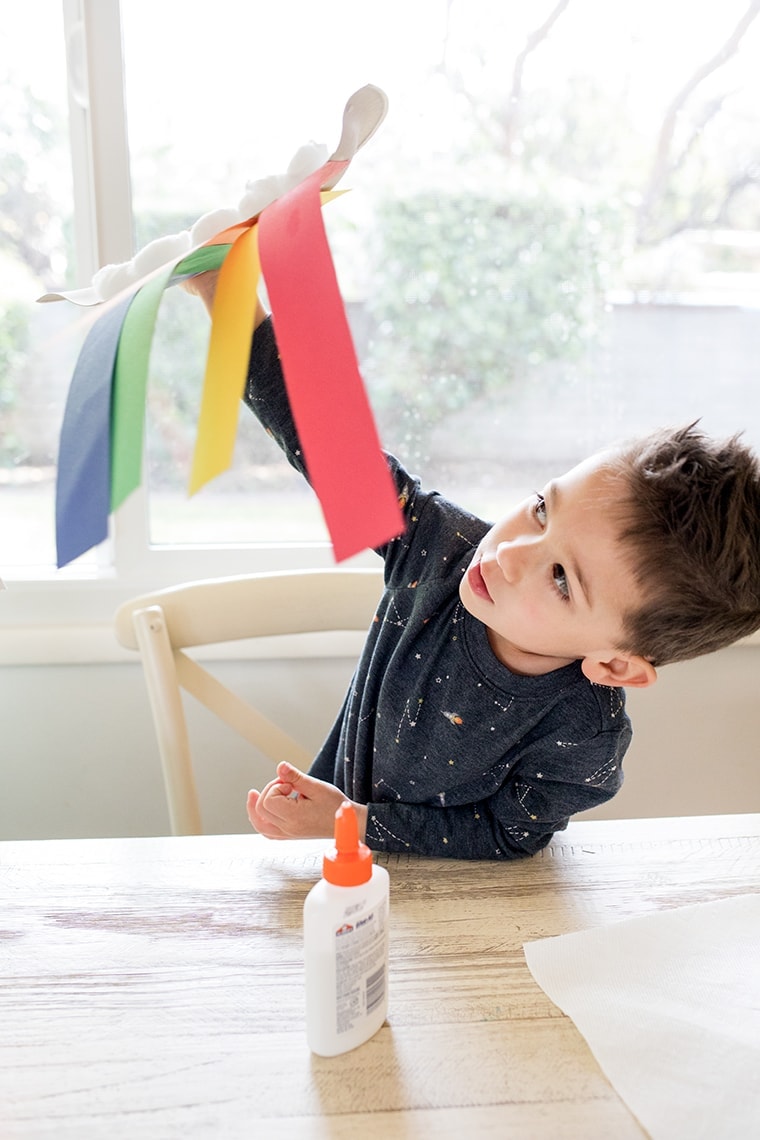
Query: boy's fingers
(262, 820)
(250, 804)
(298, 781)
(288, 774)
(281, 807)
(270, 830)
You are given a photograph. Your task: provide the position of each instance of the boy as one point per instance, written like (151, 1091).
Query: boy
(488, 705)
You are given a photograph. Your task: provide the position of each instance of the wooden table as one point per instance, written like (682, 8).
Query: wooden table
(152, 987)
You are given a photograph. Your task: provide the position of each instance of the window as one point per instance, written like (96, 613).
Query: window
(38, 345)
(551, 242)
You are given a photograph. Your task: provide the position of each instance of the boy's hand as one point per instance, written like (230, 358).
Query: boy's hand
(203, 285)
(296, 806)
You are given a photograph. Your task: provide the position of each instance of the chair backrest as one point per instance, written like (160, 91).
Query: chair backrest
(161, 625)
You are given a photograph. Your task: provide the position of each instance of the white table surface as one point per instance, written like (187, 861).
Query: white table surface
(153, 987)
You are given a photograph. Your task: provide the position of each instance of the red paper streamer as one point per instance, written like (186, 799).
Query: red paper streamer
(329, 403)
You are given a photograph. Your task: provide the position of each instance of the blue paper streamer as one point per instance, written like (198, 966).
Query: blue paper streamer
(83, 485)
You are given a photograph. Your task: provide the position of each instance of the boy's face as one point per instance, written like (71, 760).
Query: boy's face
(549, 580)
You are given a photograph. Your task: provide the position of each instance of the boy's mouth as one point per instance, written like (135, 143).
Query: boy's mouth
(476, 582)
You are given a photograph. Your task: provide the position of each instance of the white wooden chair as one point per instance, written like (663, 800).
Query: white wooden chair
(163, 624)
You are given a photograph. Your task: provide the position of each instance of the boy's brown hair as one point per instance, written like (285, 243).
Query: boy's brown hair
(692, 525)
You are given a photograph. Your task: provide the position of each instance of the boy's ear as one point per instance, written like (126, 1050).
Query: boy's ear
(626, 670)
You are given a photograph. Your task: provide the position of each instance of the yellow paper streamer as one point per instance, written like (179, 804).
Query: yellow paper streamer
(232, 320)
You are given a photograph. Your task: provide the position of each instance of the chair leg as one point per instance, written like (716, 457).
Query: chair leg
(169, 718)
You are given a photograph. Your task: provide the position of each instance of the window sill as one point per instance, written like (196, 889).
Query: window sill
(65, 619)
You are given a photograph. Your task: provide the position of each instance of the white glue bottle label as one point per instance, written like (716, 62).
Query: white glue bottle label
(345, 919)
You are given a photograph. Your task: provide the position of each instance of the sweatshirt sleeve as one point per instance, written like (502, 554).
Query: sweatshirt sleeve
(537, 800)
(266, 396)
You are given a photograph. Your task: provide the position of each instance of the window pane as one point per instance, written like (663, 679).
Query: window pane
(38, 343)
(551, 242)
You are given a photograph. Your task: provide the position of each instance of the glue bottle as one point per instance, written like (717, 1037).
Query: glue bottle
(346, 944)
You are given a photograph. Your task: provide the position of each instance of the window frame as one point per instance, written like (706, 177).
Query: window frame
(50, 616)
(102, 195)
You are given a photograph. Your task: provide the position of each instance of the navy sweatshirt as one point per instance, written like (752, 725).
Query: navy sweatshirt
(454, 754)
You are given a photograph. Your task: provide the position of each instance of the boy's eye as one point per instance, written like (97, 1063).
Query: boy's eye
(559, 578)
(539, 508)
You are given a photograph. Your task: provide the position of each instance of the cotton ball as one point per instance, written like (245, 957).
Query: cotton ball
(305, 161)
(263, 191)
(159, 252)
(209, 225)
(111, 279)
(260, 194)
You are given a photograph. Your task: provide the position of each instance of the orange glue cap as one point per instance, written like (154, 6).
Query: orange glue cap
(350, 863)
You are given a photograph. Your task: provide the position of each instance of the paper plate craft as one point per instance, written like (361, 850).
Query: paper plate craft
(276, 232)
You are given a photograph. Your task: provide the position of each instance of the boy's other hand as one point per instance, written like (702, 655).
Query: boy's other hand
(297, 806)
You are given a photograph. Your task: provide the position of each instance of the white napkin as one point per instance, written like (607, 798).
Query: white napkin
(669, 1004)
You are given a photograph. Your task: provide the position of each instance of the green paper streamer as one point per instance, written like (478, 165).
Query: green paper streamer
(130, 384)
(201, 260)
(130, 377)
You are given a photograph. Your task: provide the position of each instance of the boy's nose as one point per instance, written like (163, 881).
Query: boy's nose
(513, 557)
